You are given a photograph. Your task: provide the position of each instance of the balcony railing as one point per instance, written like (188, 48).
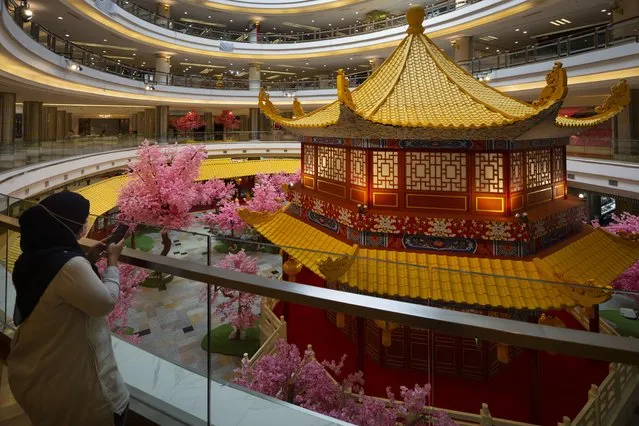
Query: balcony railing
(600, 37)
(204, 31)
(189, 266)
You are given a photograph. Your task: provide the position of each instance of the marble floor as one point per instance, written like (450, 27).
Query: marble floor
(171, 322)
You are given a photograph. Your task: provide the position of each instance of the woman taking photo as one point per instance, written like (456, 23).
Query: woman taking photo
(62, 370)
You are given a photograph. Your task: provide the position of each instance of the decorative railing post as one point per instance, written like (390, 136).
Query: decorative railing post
(486, 419)
(593, 395)
(565, 422)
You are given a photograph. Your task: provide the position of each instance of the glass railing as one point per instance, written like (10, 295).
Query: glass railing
(20, 154)
(477, 335)
(600, 37)
(210, 32)
(626, 150)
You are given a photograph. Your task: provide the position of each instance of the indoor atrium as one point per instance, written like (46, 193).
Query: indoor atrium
(319, 212)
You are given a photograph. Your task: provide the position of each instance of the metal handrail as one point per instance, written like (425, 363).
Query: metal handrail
(600, 37)
(522, 334)
(198, 30)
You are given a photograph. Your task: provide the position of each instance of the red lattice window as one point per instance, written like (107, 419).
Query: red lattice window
(309, 159)
(537, 168)
(331, 163)
(436, 171)
(516, 171)
(489, 172)
(385, 170)
(559, 164)
(358, 167)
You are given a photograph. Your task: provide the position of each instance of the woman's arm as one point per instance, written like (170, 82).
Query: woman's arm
(79, 286)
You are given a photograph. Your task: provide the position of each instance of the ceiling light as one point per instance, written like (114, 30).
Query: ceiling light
(342, 19)
(306, 63)
(60, 18)
(516, 29)
(104, 51)
(186, 13)
(498, 50)
(356, 13)
(525, 32)
(209, 16)
(66, 35)
(324, 65)
(609, 13)
(230, 20)
(603, 10)
(330, 25)
(516, 42)
(313, 20)
(566, 21)
(134, 54)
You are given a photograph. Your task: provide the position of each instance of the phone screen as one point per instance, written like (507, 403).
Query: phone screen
(118, 234)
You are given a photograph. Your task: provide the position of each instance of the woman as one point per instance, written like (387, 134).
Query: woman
(62, 370)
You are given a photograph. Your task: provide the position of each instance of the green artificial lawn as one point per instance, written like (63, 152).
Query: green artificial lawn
(142, 242)
(154, 281)
(625, 326)
(220, 343)
(221, 247)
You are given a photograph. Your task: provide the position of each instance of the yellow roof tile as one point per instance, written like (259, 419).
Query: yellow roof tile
(473, 281)
(618, 99)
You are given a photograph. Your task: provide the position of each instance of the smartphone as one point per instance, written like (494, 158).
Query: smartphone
(117, 235)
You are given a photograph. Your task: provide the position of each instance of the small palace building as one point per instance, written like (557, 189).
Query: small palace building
(426, 185)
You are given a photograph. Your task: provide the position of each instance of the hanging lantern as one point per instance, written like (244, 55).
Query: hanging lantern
(387, 331)
(291, 268)
(340, 319)
(503, 354)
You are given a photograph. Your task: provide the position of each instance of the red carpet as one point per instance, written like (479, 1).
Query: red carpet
(564, 381)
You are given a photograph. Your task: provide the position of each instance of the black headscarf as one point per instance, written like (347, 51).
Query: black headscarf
(48, 240)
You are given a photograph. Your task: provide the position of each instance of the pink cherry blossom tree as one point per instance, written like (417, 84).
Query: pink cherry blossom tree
(239, 308)
(303, 381)
(161, 188)
(130, 280)
(625, 225)
(189, 122)
(268, 197)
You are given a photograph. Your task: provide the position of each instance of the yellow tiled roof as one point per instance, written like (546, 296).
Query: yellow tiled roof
(618, 99)
(229, 170)
(103, 195)
(594, 261)
(419, 86)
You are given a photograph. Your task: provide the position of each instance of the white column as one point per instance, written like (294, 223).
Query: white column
(254, 77)
(324, 81)
(463, 47)
(162, 68)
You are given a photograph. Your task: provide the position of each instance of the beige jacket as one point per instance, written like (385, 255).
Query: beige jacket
(62, 370)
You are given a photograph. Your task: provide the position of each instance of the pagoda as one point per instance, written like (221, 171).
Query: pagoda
(426, 185)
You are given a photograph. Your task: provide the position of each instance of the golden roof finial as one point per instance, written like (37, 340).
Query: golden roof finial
(264, 102)
(343, 93)
(618, 99)
(298, 111)
(556, 86)
(415, 18)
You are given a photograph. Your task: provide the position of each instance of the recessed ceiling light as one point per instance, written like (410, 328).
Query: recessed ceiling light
(330, 25)
(209, 62)
(603, 10)
(230, 20)
(231, 64)
(104, 51)
(306, 63)
(313, 20)
(66, 35)
(186, 13)
(134, 54)
(516, 42)
(609, 13)
(525, 32)
(351, 59)
(487, 47)
(60, 18)
(356, 13)
(516, 29)
(209, 16)
(324, 65)
(342, 19)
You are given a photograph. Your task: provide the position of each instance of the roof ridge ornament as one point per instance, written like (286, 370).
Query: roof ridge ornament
(298, 111)
(415, 18)
(343, 93)
(556, 87)
(618, 99)
(264, 102)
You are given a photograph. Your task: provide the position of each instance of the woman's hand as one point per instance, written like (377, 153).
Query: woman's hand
(113, 253)
(96, 252)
